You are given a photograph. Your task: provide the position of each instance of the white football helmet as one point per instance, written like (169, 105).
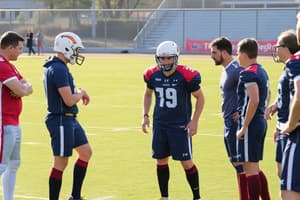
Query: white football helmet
(167, 49)
(69, 43)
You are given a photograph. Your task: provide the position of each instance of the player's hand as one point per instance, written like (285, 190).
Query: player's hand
(288, 128)
(235, 116)
(192, 128)
(276, 135)
(240, 133)
(145, 124)
(270, 111)
(85, 97)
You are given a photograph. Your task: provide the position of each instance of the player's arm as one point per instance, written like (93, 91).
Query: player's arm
(295, 109)
(71, 99)
(19, 88)
(271, 110)
(146, 109)
(199, 104)
(252, 90)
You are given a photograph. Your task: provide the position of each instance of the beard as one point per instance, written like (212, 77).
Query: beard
(220, 61)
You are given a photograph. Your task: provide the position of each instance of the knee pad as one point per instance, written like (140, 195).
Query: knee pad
(2, 168)
(13, 165)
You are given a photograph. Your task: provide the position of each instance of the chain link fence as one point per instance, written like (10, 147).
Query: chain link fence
(113, 30)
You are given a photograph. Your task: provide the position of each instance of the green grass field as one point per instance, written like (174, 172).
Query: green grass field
(121, 167)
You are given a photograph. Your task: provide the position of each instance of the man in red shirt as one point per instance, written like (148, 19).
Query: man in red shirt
(12, 87)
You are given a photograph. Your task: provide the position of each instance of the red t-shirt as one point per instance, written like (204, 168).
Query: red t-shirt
(11, 107)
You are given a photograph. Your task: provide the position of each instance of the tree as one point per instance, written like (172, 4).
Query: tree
(75, 4)
(74, 17)
(127, 4)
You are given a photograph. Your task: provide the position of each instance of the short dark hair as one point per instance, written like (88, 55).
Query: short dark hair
(248, 46)
(10, 38)
(222, 44)
(289, 39)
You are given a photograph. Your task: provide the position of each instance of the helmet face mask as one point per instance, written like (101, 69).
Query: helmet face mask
(166, 50)
(68, 44)
(77, 58)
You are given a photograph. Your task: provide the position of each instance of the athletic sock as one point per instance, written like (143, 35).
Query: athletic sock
(163, 175)
(193, 179)
(243, 189)
(78, 177)
(254, 186)
(264, 193)
(55, 180)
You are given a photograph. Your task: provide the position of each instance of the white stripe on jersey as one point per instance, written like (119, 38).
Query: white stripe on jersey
(296, 78)
(290, 167)
(9, 79)
(45, 85)
(244, 107)
(61, 136)
(249, 83)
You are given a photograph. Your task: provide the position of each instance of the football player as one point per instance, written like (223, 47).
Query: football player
(290, 176)
(173, 122)
(221, 53)
(253, 97)
(65, 131)
(286, 46)
(12, 88)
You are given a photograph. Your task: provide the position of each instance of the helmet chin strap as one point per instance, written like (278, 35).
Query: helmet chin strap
(167, 68)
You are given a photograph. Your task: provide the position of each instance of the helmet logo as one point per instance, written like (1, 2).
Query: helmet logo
(70, 38)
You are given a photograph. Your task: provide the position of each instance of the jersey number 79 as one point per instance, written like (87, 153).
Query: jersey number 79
(167, 96)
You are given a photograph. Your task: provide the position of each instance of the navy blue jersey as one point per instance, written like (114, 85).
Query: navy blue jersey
(293, 71)
(228, 84)
(173, 105)
(253, 74)
(283, 98)
(57, 75)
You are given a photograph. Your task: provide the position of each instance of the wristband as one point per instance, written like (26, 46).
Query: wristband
(146, 115)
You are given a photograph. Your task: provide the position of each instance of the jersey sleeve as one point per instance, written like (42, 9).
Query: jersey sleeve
(147, 76)
(6, 73)
(247, 77)
(148, 82)
(293, 71)
(60, 77)
(191, 76)
(194, 84)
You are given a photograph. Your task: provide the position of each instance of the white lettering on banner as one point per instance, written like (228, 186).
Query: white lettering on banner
(202, 46)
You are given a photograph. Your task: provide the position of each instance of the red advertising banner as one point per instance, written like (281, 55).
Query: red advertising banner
(202, 46)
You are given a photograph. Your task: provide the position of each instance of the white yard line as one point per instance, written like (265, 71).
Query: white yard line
(43, 198)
